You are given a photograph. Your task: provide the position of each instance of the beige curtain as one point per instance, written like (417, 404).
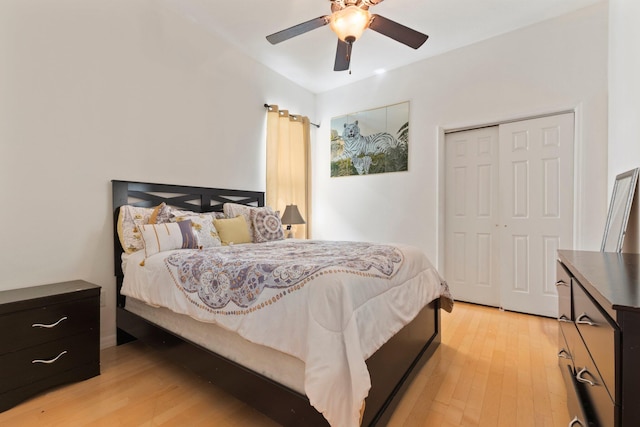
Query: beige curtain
(288, 165)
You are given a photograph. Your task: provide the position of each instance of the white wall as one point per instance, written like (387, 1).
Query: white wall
(555, 65)
(624, 99)
(92, 91)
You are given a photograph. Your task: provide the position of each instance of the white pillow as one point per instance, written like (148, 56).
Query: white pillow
(168, 236)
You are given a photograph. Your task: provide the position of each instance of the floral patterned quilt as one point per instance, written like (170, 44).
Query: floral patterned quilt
(330, 304)
(240, 273)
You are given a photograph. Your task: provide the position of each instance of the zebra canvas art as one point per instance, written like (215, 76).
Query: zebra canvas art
(372, 141)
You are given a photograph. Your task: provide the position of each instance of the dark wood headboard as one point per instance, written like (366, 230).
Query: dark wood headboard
(196, 199)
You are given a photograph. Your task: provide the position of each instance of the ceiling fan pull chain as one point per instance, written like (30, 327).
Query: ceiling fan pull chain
(349, 47)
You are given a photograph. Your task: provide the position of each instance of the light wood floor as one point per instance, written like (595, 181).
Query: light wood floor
(493, 368)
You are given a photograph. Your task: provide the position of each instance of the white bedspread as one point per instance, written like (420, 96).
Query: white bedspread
(330, 304)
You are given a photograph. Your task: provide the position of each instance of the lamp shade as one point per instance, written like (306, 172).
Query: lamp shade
(292, 215)
(349, 23)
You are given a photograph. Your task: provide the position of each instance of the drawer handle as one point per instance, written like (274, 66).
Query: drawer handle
(575, 422)
(583, 380)
(583, 319)
(564, 318)
(48, 362)
(49, 326)
(561, 283)
(564, 354)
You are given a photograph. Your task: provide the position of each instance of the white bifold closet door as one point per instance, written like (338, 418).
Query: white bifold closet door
(509, 208)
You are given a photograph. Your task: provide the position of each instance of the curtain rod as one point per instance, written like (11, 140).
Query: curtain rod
(269, 106)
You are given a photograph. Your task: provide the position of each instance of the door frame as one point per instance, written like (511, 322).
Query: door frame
(474, 124)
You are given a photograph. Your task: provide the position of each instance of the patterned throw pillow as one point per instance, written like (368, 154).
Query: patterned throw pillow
(168, 236)
(203, 227)
(266, 225)
(129, 219)
(232, 210)
(217, 215)
(161, 214)
(176, 213)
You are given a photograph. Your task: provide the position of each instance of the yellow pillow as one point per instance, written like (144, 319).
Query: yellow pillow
(232, 230)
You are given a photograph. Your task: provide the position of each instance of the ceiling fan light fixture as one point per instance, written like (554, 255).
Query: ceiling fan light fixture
(349, 23)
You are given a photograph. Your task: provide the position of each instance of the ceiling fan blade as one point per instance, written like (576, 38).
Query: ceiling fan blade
(398, 32)
(296, 30)
(343, 56)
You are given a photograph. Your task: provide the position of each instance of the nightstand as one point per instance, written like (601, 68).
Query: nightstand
(49, 335)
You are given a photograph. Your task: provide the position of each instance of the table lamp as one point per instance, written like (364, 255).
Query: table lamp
(291, 216)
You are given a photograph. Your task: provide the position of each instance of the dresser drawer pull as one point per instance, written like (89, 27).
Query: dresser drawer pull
(561, 283)
(583, 319)
(47, 362)
(564, 318)
(564, 354)
(583, 380)
(51, 325)
(575, 422)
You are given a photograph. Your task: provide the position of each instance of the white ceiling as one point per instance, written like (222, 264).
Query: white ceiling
(309, 58)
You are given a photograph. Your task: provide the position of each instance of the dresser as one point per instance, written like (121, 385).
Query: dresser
(599, 336)
(49, 335)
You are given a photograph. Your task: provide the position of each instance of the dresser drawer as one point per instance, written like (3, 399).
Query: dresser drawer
(567, 339)
(35, 363)
(594, 388)
(578, 415)
(599, 336)
(48, 323)
(563, 287)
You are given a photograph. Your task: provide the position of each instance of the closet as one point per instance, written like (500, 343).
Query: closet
(508, 209)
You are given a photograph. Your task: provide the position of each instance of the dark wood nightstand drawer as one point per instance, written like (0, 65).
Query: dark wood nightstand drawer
(32, 364)
(48, 323)
(599, 336)
(49, 335)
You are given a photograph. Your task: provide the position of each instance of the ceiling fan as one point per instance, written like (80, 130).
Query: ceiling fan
(349, 19)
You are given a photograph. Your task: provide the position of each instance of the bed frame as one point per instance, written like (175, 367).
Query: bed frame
(391, 368)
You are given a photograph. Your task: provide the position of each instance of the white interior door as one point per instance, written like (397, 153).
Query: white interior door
(536, 183)
(471, 244)
(509, 207)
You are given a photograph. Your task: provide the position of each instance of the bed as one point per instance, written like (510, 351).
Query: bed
(284, 377)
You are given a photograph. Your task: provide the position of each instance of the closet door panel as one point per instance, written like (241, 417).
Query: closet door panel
(536, 186)
(471, 214)
(509, 208)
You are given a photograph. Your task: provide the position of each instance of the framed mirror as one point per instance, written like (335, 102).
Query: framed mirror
(615, 228)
